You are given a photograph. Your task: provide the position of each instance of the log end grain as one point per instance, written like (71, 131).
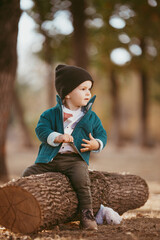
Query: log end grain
(19, 210)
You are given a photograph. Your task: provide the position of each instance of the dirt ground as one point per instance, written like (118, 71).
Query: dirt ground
(139, 224)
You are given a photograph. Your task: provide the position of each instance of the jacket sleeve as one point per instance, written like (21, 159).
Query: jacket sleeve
(99, 132)
(44, 127)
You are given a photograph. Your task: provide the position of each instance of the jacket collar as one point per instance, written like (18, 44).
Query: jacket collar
(90, 103)
(87, 107)
(59, 100)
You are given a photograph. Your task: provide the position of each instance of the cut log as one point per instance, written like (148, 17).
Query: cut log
(38, 202)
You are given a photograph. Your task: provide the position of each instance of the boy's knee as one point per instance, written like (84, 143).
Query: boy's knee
(26, 173)
(30, 171)
(80, 180)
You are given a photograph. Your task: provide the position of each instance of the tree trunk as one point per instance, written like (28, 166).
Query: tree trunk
(49, 60)
(79, 35)
(144, 99)
(20, 114)
(40, 201)
(115, 109)
(51, 92)
(10, 14)
(144, 108)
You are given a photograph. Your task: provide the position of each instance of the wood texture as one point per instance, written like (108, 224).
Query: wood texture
(40, 201)
(19, 210)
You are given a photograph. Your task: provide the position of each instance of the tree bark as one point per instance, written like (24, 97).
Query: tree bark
(40, 201)
(80, 33)
(10, 14)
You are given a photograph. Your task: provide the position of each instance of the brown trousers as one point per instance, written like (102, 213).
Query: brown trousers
(75, 168)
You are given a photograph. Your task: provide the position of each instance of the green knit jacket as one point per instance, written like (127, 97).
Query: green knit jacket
(52, 120)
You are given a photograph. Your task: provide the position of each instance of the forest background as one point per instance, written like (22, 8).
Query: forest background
(118, 42)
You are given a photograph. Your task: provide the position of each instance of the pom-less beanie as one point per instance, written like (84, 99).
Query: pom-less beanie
(67, 78)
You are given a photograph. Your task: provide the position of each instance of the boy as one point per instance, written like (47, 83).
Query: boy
(69, 132)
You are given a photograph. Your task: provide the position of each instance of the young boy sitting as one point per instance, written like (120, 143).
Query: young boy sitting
(69, 132)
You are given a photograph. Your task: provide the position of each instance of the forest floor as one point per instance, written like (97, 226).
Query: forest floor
(138, 224)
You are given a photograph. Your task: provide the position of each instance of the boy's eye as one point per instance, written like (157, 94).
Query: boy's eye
(83, 89)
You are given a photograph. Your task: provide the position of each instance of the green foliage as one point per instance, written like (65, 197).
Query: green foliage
(142, 25)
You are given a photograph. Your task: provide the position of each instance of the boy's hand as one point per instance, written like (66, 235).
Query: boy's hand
(89, 145)
(63, 138)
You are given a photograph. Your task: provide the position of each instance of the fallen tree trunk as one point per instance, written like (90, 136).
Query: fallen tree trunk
(40, 201)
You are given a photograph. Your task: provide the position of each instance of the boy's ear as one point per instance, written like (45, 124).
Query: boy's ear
(67, 96)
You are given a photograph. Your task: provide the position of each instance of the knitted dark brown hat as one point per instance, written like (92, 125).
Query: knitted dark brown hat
(68, 78)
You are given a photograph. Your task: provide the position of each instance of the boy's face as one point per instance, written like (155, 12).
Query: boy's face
(80, 96)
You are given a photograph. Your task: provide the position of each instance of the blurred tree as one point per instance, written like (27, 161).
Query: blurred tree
(139, 37)
(144, 45)
(9, 16)
(80, 32)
